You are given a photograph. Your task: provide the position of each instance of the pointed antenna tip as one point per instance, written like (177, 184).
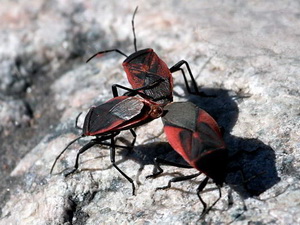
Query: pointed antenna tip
(133, 30)
(68, 145)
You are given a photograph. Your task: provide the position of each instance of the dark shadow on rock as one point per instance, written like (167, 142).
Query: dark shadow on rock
(251, 170)
(251, 163)
(145, 155)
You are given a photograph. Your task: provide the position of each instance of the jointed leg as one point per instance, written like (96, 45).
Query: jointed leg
(134, 137)
(122, 146)
(82, 150)
(135, 91)
(106, 51)
(177, 179)
(157, 170)
(113, 161)
(199, 190)
(112, 157)
(177, 67)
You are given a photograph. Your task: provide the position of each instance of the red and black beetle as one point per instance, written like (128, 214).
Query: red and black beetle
(144, 68)
(152, 80)
(107, 120)
(196, 136)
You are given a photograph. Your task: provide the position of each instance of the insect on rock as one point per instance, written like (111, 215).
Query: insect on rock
(196, 136)
(106, 121)
(150, 75)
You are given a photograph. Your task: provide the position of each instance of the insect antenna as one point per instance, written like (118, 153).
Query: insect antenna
(62, 152)
(133, 30)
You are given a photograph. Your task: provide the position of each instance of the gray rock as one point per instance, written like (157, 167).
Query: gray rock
(245, 53)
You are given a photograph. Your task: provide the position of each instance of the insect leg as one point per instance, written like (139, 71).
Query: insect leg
(134, 137)
(199, 189)
(117, 146)
(204, 211)
(113, 161)
(157, 170)
(122, 146)
(106, 51)
(177, 67)
(116, 93)
(82, 150)
(177, 179)
(132, 92)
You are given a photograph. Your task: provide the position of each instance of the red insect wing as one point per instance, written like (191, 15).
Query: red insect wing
(146, 68)
(119, 113)
(113, 113)
(207, 133)
(150, 111)
(181, 114)
(196, 136)
(204, 117)
(135, 67)
(180, 140)
(212, 158)
(128, 108)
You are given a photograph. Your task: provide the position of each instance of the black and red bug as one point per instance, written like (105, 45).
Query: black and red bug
(144, 68)
(196, 136)
(107, 120)
(152, 80)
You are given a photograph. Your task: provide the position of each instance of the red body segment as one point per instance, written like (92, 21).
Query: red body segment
(107, 120)
(152, 80)
(144, 68)
(149, 75)
(119, 113)
(196, 136)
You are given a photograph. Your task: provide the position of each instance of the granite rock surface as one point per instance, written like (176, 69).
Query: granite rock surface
(246, 53)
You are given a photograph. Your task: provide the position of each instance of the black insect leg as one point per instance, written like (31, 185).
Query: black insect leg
(199, 190)
(134, 138)
(178, 179)
(106, 51)
(115, 90)
(131, 92)
(117, 146)
(113, 161)
(177, 67)
(130, 147)
(157, 170)
(116, 94)
(117, 50)
(82, 150)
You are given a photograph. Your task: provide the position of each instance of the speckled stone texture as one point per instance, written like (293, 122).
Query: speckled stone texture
(246, 53)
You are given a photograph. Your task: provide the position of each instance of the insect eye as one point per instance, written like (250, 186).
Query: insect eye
(156, 112)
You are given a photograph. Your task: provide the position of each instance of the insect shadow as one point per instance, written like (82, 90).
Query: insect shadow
(251, 163)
